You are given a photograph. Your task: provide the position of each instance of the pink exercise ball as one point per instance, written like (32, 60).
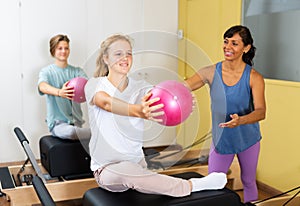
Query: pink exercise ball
(78, 84)
(177, 100)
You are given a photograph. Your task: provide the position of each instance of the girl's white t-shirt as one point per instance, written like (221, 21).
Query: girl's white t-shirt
(114, 137)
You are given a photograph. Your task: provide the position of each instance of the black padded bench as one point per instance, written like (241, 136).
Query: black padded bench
(101, 197)
(63, 157)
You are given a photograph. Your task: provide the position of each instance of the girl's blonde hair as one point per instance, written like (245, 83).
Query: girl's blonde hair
(101, 66)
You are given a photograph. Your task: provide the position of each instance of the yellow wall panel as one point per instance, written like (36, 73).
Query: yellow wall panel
(279, 164)
(203, 24)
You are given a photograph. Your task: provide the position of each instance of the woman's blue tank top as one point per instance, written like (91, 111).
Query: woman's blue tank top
(227, 100)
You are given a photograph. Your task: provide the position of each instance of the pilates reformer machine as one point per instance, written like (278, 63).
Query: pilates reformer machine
(33, 182)
(20, 183)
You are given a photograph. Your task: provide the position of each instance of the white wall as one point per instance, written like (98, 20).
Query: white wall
(27, 26)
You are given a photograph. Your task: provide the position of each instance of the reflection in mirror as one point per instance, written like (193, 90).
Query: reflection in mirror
(257, 7)
(275, 28)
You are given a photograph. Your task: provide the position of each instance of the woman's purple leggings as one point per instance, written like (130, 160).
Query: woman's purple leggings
(248, 163)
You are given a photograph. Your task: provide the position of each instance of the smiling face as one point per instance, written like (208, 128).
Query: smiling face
(119, 57)
(234, 47)
(62, 51)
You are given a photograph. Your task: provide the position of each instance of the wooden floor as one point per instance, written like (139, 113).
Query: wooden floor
(261, 194)
(264, 192)
(3, 202)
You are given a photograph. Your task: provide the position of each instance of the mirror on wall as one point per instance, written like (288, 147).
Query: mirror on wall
(275, 26)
